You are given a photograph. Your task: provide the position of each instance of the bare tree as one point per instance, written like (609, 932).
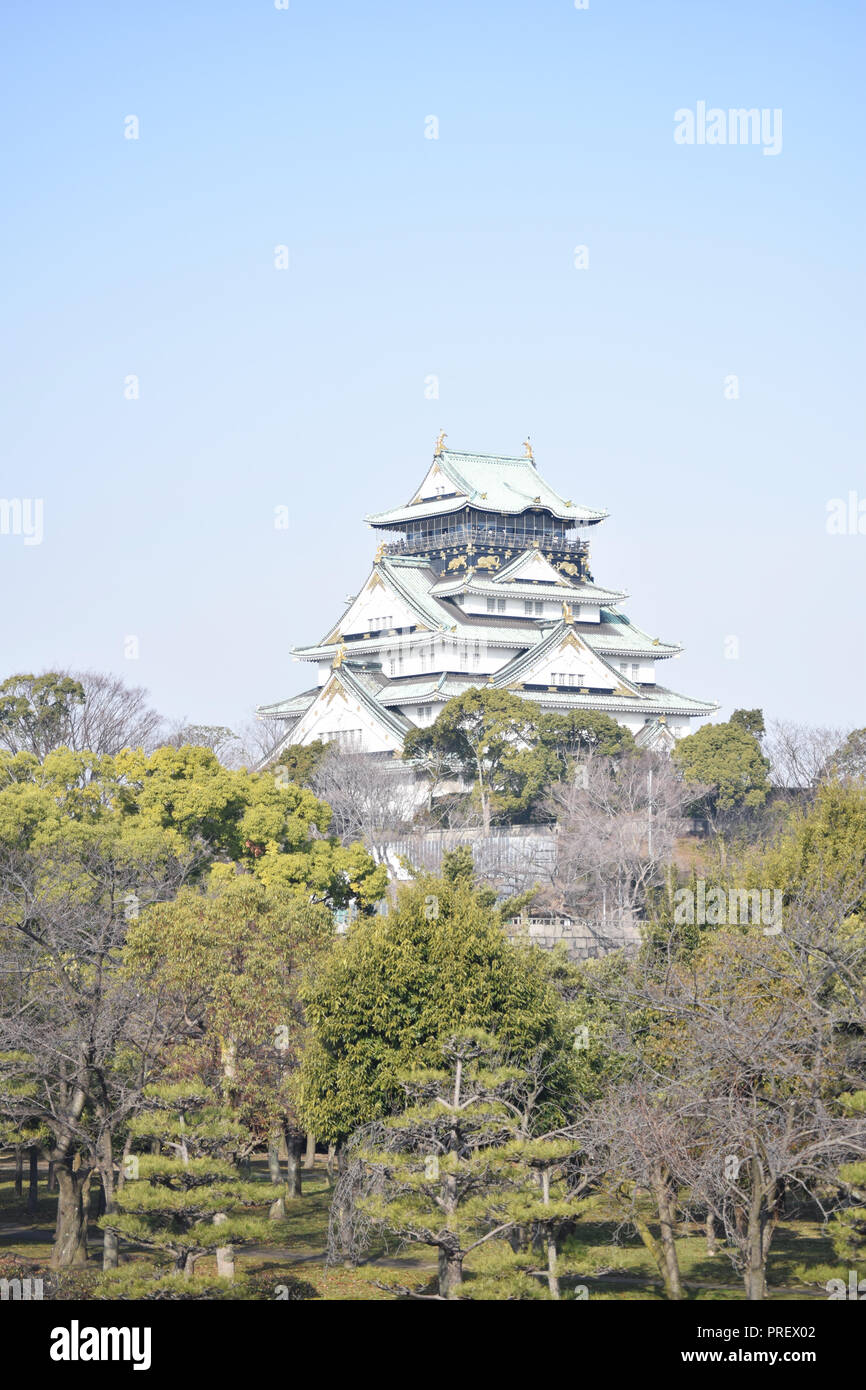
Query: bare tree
(759, 1034)
(367, 796)
(618, 822)
(78, 1042)
(633, 1144)
(799, 753)
(113, 716)
(254, 745)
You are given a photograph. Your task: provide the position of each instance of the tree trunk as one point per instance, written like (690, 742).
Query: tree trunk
(294, 1171)
(274, 1157)
(70, 1239)
(19, 1171)
(756, 1253)
(552, 1268)
(329, 1164)
(450, 1273)
(670, 1269)
(52, 1176)
(33, 1188)
(225, 1255)
(110, 1243)
(310, 1153)
(712, 1248)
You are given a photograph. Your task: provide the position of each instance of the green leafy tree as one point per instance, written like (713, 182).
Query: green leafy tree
(490, 735)
(36, 712)
(578, 734)
(752, 720)
(725, 766)
(300, 761)
(395, 984)
(848, 763)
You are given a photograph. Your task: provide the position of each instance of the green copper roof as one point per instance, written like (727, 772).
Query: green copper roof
(490, 483)
(292, 708)
(422, 689)
(650, 702)
(617, 633)
(477, 582)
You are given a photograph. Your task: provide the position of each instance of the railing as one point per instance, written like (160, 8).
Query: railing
(419, 545)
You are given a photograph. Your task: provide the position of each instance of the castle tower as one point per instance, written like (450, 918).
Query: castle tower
(482, 578)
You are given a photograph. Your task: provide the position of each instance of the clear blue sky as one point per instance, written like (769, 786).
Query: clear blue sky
(411, 257)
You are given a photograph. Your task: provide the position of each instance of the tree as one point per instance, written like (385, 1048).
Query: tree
(848, 762)
(78, 1042)
(580, 734)
(752, 720)
(36, 712)
(635, 1141)
(440, 1179)
(395, 984)
(489, 735)
(759, 1033)
(727, 759)
(799, 753)
(367, 796)
(848, 1227)
(457, 1168)
(86, 711)
(300, 761)
(187, 1199)
(87, 844)
(231, 956)
(617, 825)
(111, 716)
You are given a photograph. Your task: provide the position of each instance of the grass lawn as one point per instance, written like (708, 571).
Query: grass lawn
(610, 1262)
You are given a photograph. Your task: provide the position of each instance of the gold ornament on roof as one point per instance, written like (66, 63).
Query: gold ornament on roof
(380, 551)
(527, 448)
(339, 656)
(440, 443)
(567, 614)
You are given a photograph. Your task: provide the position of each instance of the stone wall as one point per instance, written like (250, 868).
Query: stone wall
(511, 859)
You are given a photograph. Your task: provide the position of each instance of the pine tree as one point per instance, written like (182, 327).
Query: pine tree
(187, 1199)
(458, 1169)
(848, 1227)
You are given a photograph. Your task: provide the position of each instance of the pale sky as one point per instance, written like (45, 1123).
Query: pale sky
(411, 258)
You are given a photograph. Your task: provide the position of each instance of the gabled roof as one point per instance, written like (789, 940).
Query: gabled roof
(516, 671)
(364, 688)
(493, 483)
(411, 579)
(656, 733)
(531, 565)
